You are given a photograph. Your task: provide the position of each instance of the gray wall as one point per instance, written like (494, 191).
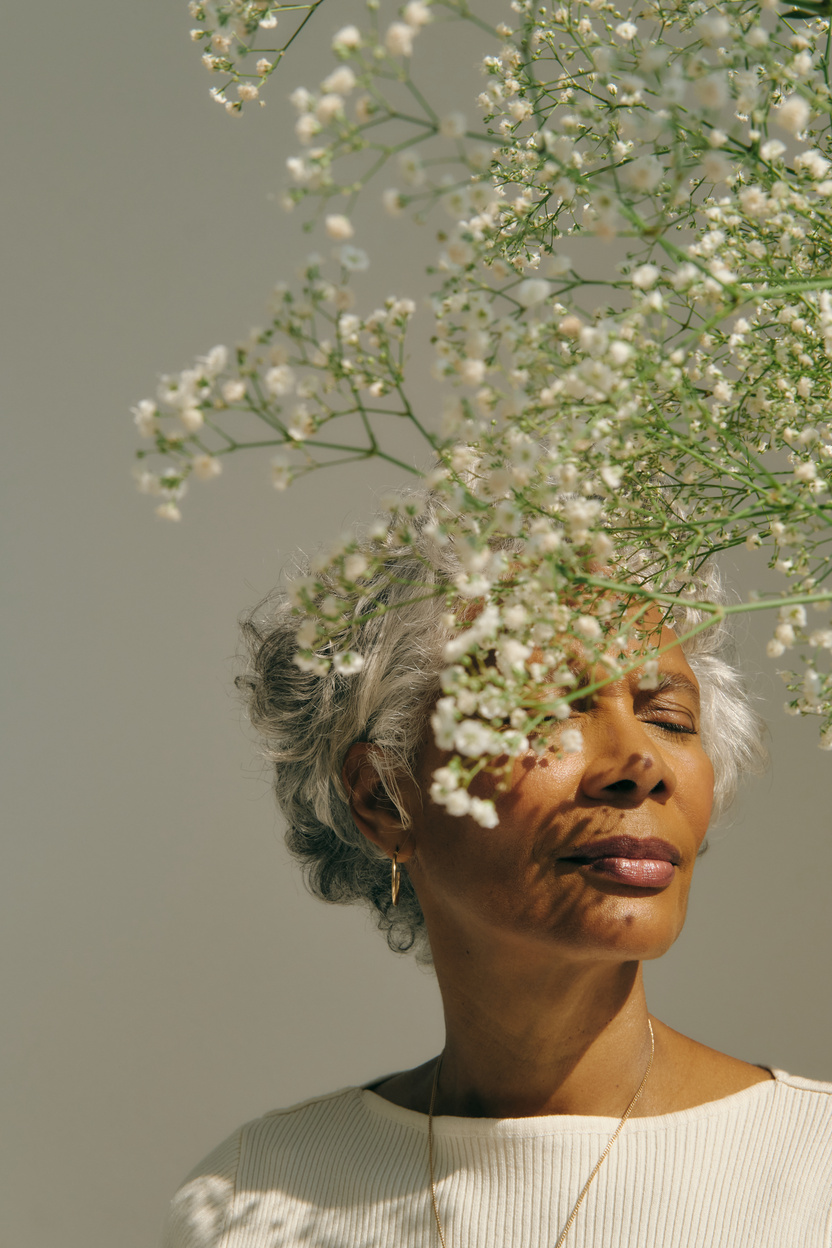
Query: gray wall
(165, 976)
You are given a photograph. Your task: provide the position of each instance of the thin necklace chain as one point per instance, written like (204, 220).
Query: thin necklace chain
(573, 1215)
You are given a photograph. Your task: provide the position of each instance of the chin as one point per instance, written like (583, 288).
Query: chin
(629, 934)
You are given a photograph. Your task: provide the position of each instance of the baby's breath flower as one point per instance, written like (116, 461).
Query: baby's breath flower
(340, 82)
(168, 511)
(399, 39)
(206, 467)
(346, 40)
(417, 13)
(145, 418)
(533, 291)
(453, 126)
(348, 664)
(645, 276)
(793, 114)
(626, 31)
(571, 740)
(393, 201)
(483, 812)
(354, 259)
(192, 418)
(581, 423)
(339, 226)
(281, 472)
(234, 390)
(280, 380)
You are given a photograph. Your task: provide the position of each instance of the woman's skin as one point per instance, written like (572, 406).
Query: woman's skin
(538, 958)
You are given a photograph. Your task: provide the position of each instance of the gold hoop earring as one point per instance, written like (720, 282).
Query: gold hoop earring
(395, 879)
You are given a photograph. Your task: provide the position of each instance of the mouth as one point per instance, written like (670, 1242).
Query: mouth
(641, 862)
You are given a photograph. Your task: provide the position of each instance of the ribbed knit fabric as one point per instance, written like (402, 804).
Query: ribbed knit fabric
(350, 1170)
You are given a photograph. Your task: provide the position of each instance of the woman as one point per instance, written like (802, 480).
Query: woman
(559, 1111)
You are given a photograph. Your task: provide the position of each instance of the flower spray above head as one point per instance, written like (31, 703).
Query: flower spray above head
(641, 415)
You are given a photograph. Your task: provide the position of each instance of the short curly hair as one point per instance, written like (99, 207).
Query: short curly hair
(307, 722)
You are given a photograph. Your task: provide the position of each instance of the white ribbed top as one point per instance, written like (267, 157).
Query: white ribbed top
(350, 1170)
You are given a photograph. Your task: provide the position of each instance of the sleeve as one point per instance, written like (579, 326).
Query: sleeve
(200, 1212)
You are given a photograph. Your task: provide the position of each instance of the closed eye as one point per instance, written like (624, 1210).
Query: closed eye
(670, 726)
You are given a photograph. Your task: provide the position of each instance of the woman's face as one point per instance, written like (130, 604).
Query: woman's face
(557, 873)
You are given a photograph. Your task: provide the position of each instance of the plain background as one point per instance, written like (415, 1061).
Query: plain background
(165, 975)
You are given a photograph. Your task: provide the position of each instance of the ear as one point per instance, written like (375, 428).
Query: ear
(374, 811)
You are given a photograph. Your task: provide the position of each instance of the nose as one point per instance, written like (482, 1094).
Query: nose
(625, 767)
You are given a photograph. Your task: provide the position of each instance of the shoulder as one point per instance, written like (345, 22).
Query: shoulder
(213, 1195)
(804, 1100)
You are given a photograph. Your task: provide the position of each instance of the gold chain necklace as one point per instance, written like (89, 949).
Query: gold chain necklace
(573, 1215)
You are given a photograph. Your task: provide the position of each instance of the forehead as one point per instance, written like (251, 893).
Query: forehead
(674, 671)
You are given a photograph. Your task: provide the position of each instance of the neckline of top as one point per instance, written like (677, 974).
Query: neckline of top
(564, 1124)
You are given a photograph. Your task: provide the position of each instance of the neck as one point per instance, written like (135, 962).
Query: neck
(531, 1036)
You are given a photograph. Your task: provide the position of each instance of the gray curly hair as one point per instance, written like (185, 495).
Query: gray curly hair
(307, 722)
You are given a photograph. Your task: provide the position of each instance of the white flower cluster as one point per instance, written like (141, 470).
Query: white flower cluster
(600, 439)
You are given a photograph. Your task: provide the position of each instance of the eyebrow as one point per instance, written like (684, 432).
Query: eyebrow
(677, 680)
(667, 680)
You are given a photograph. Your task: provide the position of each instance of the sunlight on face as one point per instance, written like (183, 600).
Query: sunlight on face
(595, 848)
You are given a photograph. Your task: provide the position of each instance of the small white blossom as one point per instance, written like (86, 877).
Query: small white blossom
(417, 13)
(355, 565)
(206, 467)
(340, 82)
(713, 28)
(483, 812)
(354, 259)
(643, 174)
(571, 740)
(806, 471)
(645, 276)
(192, 418)
(281, 472)
(215, 361)
(144, 417)
(773, 149)
(234, 390)
(328, 108)
(393, 201)
(458, 802)
(532, 291)
(302, 100)
(793, 114)
(712, 91)
(587, 626)
(626, 31)
(453, 126)
(716, 167)
(302, 423)
(147, 482)
(280, 380)
(474, 739)
(399, 39)
(340, 227)
(347, 39)
(247, 91)
(349, 663)
(813, 163)
(168, 511)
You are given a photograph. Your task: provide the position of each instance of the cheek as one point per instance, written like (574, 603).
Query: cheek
(700, 795)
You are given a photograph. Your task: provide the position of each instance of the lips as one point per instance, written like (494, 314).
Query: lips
(633, 847)
(641, 862)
